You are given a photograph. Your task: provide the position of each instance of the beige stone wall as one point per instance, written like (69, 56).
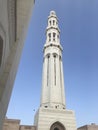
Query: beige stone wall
(24, 127)
(4, 31)
(89, 127)
(12, 45)
(46, 117)
(83, 128)
(23, 15)
(12, 124)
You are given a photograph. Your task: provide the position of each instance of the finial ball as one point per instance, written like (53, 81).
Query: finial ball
(52, 12)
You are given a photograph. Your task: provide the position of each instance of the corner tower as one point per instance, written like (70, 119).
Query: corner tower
(52, 114)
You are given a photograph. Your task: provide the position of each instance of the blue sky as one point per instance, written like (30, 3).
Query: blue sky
(78, 22)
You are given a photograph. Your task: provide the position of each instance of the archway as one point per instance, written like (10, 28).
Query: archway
(57, 126)
(1, 49)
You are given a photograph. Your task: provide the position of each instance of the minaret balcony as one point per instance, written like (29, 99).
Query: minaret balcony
(52, 27)
(53, 45)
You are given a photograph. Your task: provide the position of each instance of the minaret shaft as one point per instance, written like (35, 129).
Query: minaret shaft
(53, 81)
(53, 86)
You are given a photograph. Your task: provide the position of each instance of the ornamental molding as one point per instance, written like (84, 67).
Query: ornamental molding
(12, 20)
(52, 45)
(3, 36)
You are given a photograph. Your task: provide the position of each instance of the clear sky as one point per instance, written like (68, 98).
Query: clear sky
(78, 22)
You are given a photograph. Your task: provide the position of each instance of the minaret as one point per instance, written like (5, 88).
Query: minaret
(53, 79)
(52, 113)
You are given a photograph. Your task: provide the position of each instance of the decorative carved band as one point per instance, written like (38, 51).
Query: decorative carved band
(12, 19)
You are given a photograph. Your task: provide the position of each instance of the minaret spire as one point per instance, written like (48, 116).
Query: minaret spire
(52, 31)
(53, 81)
(52, 113)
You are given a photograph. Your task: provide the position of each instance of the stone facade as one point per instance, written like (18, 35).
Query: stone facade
(46, 117)
(12, 124)
(93, 126)
(14, 19)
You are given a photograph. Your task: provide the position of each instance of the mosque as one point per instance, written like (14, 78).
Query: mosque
(52, 113)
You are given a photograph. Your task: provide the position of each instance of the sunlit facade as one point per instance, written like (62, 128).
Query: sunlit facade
(14, 19)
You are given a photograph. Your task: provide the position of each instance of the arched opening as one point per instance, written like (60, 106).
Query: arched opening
(54, 35)
(50, 23)
(53, 22)
(57, 126)
(49, 37)
(1, 49)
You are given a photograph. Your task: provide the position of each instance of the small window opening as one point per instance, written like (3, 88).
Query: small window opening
(48, 56)
(54, 56)
(58, 36)
(49, 36)
(53, 22)
(60, 58)
(50, 22)
(56, 106)
(46, 106)
(54, 34)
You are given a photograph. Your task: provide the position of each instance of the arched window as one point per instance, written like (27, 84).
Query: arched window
(49, 36)
(53, 22)
(54, 35)
(1, 49)
(58, 36)
(50, 23)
